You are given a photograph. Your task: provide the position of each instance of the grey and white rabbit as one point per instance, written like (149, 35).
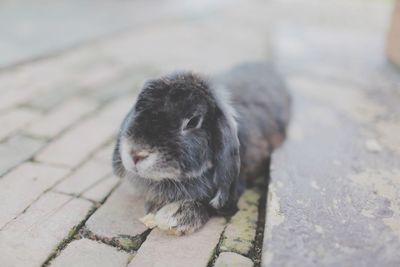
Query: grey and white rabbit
(189, 143)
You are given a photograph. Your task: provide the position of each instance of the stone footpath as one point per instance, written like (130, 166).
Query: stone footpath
(60, 204)
(334, 196)
(334, 192)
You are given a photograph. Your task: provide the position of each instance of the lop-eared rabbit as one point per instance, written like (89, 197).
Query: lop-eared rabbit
(190, 143)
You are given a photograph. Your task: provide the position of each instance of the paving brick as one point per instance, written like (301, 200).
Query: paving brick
(119, 215)
(195, 250)
(230, 259)
(80, 141)
(337, 204)
(28, 81)
(84, 177)
(14, 120)
(88, 253)
(77, 144)
(61, 117)
(100, 74)
(240, 232)
(53, 98)
(67, 73)
(12, 97)
(128, 83)
(99, 191)
(23, 185)
(104, 155)
(16, 150)
(34, 235)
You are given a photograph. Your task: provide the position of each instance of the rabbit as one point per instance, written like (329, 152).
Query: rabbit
(190, 143)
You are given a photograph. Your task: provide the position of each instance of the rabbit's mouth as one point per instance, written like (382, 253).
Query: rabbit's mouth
(146, 163)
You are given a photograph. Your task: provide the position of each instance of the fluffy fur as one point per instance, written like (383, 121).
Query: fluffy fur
(201, 138)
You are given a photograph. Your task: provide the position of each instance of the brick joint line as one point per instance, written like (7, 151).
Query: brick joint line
(90, 156)
(115, 241)
(255, 252)
(74, 233)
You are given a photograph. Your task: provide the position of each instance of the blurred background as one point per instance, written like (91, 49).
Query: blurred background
(313, 35)
(96, 42)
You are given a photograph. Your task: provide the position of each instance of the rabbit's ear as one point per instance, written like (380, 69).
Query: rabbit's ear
(118, 167)
(226, 161)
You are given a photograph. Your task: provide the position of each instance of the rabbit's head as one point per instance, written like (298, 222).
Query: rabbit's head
(180, 128)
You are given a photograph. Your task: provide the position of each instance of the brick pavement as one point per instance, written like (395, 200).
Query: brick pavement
(60, 204)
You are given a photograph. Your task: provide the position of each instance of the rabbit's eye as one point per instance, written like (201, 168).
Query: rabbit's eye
(193, 123)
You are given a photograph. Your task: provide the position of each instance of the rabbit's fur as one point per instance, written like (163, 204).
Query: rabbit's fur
(201, 139)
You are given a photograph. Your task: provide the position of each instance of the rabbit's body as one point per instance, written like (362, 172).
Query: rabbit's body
(179, 145)
(262, 104)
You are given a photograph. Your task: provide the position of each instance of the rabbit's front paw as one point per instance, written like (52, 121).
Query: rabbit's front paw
(183, 217)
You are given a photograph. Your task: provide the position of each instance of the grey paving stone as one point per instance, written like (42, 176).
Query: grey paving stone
(16, 150)
(118, 218)
(84, 178)
(89, 253)
(20, 187)
(331, 201)
(102, 189)
(53, 98)
(33, 236)
(230, 259)
(61, 117)
(14, 120)
(28, 82)
(161, 249)
(127, 84)
(104, 155)
(83, 139)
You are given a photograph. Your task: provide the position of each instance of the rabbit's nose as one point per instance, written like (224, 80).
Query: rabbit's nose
(139, 155)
